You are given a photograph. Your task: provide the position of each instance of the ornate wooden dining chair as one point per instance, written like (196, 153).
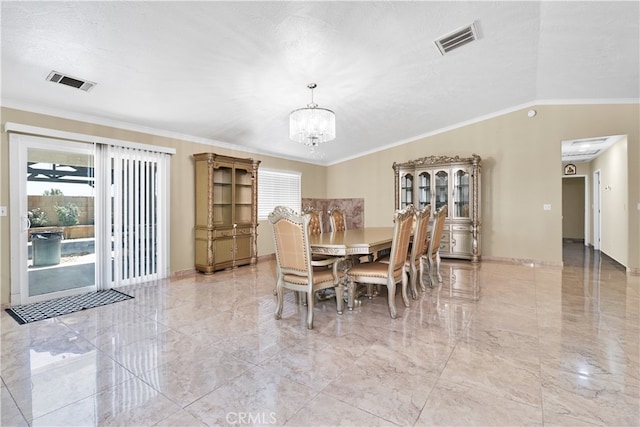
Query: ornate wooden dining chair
(315, 228)
(433, 249)
(337, 219)
(315, 223)
(416, 260)
(393, 272)
(338, 222)
(295, 269)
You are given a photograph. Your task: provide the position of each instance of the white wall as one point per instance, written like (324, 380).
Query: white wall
(614, 201)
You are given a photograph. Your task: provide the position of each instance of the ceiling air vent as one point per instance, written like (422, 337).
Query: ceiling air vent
(66, 80)
(457, 38)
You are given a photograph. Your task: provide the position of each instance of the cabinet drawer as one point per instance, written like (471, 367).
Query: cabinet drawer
(459, 227)
(243, 231)
(229, 232)
(225, 232)
(445, 244)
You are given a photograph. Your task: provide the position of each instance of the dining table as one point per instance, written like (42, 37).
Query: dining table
(351, 244)
(355, 241)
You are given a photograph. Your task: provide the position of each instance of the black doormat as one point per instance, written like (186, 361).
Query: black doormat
(57, 307)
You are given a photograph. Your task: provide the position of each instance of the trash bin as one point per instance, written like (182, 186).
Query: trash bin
(46, 247)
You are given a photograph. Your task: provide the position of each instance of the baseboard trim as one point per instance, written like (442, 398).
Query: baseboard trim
(521, 261)
(503, 260)
(267, 257)
(182, 273)
(192, 271)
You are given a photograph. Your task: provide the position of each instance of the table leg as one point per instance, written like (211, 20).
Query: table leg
(351, 292)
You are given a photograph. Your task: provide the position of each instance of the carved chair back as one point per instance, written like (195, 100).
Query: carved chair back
(315, 221)
(337, 219)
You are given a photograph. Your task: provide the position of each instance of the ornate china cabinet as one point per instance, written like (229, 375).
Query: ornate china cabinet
(451, 181)
(226, 222)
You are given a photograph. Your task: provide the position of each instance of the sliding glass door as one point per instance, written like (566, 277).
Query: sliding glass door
(85, 216)
(54, 208)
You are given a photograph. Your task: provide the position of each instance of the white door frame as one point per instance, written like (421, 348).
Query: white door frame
(18, 156)
(587, 212)
(597, 217)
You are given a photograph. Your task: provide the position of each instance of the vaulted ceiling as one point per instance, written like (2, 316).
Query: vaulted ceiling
(229, 73)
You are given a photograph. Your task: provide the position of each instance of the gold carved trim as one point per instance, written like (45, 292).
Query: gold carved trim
(438, 160)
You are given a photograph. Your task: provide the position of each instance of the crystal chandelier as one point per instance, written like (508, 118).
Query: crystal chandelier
(312, 125)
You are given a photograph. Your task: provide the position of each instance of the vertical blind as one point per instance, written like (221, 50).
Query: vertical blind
(139, 211)
(277, 188)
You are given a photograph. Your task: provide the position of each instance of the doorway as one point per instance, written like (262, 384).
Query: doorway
(575, 214)
(605, 161)
(53, 218)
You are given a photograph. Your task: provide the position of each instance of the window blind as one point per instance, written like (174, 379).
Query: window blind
(277, 188)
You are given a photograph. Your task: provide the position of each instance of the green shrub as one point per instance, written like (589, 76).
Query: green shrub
(67, 214)
(53, 192)
(37, 217)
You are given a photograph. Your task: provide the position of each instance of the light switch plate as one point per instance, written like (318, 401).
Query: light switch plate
(3, 211)
(546, 207)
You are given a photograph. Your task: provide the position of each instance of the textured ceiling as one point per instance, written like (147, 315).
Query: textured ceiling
(231, 72)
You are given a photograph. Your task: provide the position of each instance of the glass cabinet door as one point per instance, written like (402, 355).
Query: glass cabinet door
(461, 194)
(442, 189)
(424, 189)
(222, 196)
(243, 196)
(406, 190)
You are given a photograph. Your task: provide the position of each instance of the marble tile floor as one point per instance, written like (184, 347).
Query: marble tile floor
(494, 344)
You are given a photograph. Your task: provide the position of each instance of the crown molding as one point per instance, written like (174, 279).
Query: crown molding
(527, 105)
(86, 118)
(55, 112)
